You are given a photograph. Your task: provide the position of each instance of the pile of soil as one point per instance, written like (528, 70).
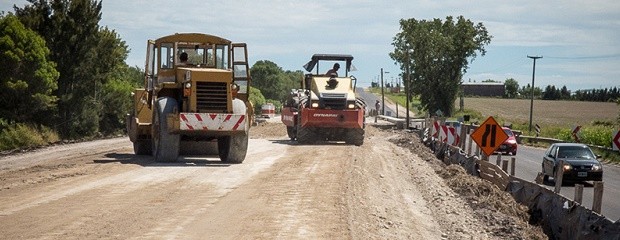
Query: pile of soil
(267, 130)
(464, 206)
(505, 218)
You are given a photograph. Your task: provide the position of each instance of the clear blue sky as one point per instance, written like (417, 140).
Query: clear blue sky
(579, 40)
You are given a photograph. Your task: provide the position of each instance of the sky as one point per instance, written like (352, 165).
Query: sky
(579, 41)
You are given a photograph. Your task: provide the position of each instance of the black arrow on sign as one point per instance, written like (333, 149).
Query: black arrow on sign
(489, 129)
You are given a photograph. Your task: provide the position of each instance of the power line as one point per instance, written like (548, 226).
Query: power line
(505, 66)
(588, 57)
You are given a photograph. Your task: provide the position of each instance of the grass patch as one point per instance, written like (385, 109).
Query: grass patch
(20, 136)
(400, 99)
(556, 118)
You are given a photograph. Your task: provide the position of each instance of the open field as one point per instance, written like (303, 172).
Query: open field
(546, 112)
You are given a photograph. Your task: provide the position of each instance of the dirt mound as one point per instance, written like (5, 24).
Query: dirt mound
(506, 218)
(268, 130)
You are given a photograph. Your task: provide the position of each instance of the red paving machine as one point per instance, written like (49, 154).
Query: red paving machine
(326, 107)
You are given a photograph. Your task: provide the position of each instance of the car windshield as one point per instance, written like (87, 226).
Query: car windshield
(576, 152)
(508, 132)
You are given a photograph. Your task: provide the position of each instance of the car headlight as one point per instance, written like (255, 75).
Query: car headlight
(351, 106)
(512, 142)
(315, 104)
(188, 85)
(597, 167)
(567, 167)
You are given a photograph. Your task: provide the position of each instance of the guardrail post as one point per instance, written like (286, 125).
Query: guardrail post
(579, 193)
(512, 165)
(432, 126)
(463, 135)
(505, 165)
(559, 174)
(598, 197)
(470, 142)
(539, 178)
(499, 159)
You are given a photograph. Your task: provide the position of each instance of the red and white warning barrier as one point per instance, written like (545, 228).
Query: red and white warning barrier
(214, 122)
(449, 135)
(268, 110)
(436, 129)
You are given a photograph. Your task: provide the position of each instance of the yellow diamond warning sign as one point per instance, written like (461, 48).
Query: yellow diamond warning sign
(489, 136)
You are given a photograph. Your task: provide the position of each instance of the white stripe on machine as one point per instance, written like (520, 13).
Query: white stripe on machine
(213, 122)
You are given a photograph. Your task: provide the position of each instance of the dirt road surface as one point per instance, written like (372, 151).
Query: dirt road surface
(389, 188)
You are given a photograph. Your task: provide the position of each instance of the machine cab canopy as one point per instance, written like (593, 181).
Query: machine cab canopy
(318, 59)
(201, 50)
(196, 51)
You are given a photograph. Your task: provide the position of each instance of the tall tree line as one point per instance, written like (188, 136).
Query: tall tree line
(551, 92)
(598, 95)
(94, 83)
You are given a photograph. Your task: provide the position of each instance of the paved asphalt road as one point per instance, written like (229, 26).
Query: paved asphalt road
(529, 160)
(528, 165)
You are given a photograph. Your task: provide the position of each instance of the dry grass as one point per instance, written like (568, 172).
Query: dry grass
(554, 113)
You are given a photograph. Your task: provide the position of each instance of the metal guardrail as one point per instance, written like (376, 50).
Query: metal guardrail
(399, 122)
(564, 218)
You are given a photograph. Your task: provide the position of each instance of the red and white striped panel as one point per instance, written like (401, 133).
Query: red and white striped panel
(449, 135)
(213, 122)
(454, 137)
(443, 133)
(436, 129)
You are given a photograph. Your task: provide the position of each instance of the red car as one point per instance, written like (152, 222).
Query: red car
(510, 145)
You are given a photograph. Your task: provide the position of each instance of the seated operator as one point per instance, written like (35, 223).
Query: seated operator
(333, 71)
(183, 58)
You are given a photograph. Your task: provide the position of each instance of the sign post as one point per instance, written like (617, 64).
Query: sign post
(489, 136)
(575, 133)
(615, 140)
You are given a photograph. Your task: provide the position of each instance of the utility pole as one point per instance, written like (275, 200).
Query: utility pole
(407, 88)
(382, 94)
(532, 92)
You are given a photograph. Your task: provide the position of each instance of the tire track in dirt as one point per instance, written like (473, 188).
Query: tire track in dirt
(300, 197)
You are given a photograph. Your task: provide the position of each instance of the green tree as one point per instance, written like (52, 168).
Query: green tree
(618, 119)
(257, 99)
(438, 55)
(27, 76)
(294, 80)
(114, 82)
(272, 81)
(512, 88)
(526, 92)
(116, 94)
(564, 93)
(86, 55)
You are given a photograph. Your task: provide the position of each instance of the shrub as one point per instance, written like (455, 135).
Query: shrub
(593, 135)
(24, 136)
(597, 135)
